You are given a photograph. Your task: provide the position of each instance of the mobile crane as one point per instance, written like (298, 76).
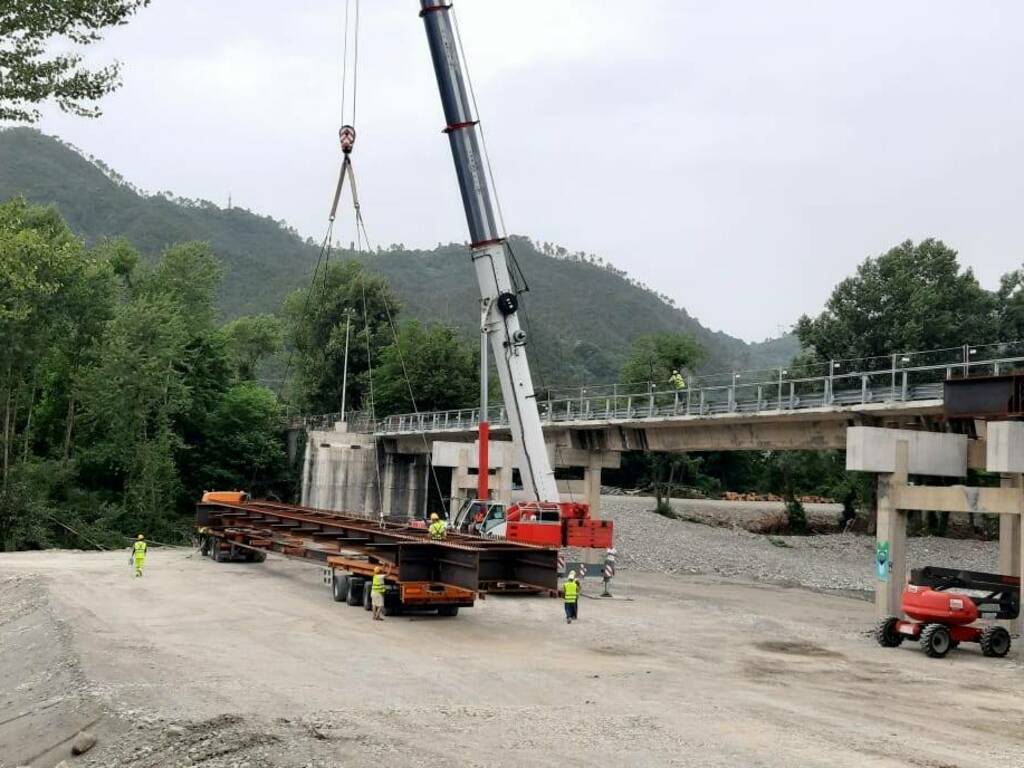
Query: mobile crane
(544, 519)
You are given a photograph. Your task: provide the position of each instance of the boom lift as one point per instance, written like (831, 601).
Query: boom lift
(545, 519)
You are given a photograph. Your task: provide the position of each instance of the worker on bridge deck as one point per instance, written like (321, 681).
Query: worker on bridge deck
(438, 529)
(677, 380)
(377, 594)
(138, 554)
(571, 591)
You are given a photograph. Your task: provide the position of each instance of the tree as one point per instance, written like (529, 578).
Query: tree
(32, 73)
(442, 371)
(250, 340)
(191, 275)
(913, 297)
(243, 445)
(653, 358)
(317, 318)
(130, 399)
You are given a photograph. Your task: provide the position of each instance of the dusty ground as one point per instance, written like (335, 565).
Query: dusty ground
(216, 665)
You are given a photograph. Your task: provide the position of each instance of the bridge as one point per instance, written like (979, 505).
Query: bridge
(394, 462)
(734, 410)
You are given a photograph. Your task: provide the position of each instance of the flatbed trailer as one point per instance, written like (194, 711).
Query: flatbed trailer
(420, 574)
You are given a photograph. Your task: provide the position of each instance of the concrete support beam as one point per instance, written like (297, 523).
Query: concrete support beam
(722, 436)
(1005, 447)
(873, 449)
(1010, 545)
(959, 499)
(891, 539)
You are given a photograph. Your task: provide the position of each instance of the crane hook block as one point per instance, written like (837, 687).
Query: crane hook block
(347, 135)
(507, 303)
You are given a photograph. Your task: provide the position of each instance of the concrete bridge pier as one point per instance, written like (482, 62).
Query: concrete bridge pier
(896, 454)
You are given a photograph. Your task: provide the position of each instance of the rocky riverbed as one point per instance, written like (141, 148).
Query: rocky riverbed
(722, 546)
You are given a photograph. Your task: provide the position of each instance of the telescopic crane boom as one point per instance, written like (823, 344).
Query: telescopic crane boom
(499, 302)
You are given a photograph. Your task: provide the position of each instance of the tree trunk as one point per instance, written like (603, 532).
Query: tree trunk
(69, 427)
(7, 436)
(28, 425)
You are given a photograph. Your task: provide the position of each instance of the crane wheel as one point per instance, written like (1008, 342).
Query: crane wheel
(448, 610)
(887, 634)
(339, 588)
(995, 641)
(935, 640)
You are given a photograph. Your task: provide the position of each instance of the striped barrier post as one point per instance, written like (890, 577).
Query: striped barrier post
(609, 570)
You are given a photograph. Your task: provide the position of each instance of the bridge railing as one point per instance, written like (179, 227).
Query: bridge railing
(909, 377)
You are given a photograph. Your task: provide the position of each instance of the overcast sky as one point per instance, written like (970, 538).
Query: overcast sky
(741, 157)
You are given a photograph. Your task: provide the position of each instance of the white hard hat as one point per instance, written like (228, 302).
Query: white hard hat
(572, 574)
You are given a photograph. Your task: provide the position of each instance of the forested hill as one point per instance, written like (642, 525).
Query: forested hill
(582, 315)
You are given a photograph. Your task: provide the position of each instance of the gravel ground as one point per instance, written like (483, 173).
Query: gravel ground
(842, 562)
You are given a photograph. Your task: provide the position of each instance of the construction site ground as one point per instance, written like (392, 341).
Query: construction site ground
(219, 665)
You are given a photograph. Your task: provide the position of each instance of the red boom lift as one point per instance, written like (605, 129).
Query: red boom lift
(943, 611)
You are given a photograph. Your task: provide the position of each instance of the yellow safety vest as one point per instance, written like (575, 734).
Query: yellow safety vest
(378, 583)
(140, 548)
(438, 530)
(571, 588)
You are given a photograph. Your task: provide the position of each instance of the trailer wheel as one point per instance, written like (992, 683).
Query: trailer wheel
(995, 641)
(935, 640)
(887, 634)
(392, 603)
(257, 557)
(339, 588)
(448, 610)
(355, 591)
(367, 599)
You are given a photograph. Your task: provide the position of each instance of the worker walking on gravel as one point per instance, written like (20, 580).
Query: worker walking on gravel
(377, 594)
(571, 590)
(138, 554)
(438, 530)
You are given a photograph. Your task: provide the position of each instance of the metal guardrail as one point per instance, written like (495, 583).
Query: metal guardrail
(897, 378)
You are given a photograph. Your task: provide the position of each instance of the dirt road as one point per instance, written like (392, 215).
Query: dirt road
(209, 664)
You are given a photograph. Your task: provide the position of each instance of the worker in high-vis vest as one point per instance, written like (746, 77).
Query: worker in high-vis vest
(377, 594)
(438, 530)
(571, 591)
(138, 554)
(677, 381)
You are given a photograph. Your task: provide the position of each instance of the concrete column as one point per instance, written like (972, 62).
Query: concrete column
(388, 481)
(891, 540)
(1011, 547)
(592, 484)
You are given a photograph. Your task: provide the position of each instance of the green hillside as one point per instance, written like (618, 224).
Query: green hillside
(582, 316)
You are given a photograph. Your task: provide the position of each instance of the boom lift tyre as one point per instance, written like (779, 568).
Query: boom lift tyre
(995, 641)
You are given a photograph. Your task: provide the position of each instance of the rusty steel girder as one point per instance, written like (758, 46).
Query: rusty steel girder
(464, 561)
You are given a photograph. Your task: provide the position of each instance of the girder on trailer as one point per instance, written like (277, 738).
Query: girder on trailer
(406, 554)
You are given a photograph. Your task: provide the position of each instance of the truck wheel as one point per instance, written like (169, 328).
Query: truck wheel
(392, 603)
(355, 591)
(887, 634)
(339, 588)
(935, 640)
(995, 641)
(448, 610)
(367, 599)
